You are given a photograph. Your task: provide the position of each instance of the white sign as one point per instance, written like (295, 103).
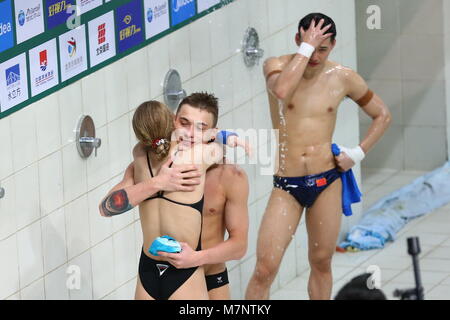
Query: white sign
(72, 53)
(102, 44)
(13, 82)
(86, 5)
(43, 67)
(29, 19)
(156, 17)
(206, 4)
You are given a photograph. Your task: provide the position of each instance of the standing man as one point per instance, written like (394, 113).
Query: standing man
(305, 90)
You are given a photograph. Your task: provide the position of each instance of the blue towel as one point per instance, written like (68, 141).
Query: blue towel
(350, 190)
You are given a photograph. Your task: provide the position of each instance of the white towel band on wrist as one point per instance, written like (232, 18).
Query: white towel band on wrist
(306, 50)
(356, 154)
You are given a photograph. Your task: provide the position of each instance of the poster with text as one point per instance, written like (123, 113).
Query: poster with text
(129, 25)
(43, 67)
(182, 10)
(6, 25)
(72, 52)
(86, 5)
(156, 17)
(59, 12)
(102, 43)
(29, 19)
(13, 82)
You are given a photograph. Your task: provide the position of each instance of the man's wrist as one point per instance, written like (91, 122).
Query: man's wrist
(155, 184)
(306, 49)
(202, 257)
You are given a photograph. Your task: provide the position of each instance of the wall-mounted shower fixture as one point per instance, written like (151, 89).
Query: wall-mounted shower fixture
(2, 192)
(250, 48)
(173, 90)
(85, 137)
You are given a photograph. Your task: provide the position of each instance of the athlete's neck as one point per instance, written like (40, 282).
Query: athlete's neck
(311, 73)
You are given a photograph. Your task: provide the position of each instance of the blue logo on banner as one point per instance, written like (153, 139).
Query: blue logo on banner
(129, 25)
(12, 75)
(21, 17)
(182, 10)
(6, 26)
(150, 15)
(58, 12)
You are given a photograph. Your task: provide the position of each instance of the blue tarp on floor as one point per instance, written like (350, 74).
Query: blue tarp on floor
(386, 217)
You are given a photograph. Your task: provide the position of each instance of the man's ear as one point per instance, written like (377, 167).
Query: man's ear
(298, 39)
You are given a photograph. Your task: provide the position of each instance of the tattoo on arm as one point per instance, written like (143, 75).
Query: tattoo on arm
(116, 203)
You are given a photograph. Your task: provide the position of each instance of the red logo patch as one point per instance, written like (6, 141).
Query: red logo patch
(321, 182)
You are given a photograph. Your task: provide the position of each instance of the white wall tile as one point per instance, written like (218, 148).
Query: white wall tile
(276, 17)
(6, 160)
(200, 46)
(219, 37)
(120, 151)
(70, 111)
(29, 247)
(102, 256)
(56, 284)
(222, 86)
(27, 196)
(74, 173)
(94, 97)
(99, 168)
(179, 53)
(77, 227)
(48, 130)
(83, 262)
(137, 78)
(241, 81)
(9, 268)
(8, 217)
(54, 240)
(24, 143)
(50, 183)
(158, 64)
(34, 291)
(100, 227)
(238, 13)
(125, 263)
(116, 90)
(258, 17)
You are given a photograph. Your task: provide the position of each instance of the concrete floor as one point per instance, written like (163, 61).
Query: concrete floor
(433, 231)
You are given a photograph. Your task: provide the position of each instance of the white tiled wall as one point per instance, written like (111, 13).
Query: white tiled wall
(410, 81)
(49, 218)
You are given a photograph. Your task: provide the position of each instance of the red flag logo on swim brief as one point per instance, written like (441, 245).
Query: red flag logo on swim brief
(321, 182)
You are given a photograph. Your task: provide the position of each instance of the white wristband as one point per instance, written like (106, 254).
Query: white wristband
(306, 50)
(356, 154)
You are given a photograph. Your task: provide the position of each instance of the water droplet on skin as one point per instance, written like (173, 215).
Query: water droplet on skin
(290, 227)
(316, 244)
(272, 257)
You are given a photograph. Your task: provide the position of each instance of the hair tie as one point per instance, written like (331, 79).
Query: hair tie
(157, 142)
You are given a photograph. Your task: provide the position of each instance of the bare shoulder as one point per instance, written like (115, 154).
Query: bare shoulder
(138, 150)
(232, 173)
(276, 63)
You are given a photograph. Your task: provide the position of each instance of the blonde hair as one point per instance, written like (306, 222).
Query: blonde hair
(153, 126)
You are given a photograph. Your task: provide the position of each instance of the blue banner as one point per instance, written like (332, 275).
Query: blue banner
(181, 10)
(58, 12)
(6, 26)
(129, 25)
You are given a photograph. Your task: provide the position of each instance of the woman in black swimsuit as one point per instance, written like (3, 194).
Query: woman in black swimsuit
(176, 214)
